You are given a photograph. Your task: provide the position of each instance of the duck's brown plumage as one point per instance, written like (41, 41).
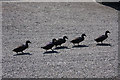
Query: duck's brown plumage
(49, 46)
(60, 41)
(78, 39)
(102, 38)
(22, 47)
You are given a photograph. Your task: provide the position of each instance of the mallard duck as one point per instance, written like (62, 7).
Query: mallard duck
(103, 37)
(60, 41)
(22, 47)
(49, 46)
(78, 39)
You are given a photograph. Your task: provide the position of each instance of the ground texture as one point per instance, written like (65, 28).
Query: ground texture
(41, 22)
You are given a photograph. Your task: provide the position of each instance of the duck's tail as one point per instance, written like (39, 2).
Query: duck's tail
(13, 50)
(42, 47)
(71, 41)
(95, 39)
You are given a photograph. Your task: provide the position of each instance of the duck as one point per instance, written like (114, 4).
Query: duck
(102, 38)
(60, 41)
(78, 39)
(50, 45)
(22, 47)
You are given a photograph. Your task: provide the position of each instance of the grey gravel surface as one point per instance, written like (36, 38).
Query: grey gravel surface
(0, 40)
(41, 22)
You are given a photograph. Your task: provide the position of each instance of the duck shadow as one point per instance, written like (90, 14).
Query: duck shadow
(62, 47)
(103, 44)
(50, 52)
(22, 54)
(79, 46)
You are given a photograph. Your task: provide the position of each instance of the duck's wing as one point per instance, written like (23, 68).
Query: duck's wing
(59, 39)
(20, 48)
(47, 46)
(76, 39)
(100, 38)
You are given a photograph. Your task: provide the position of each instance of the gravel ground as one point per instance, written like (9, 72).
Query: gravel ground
(41, 22)
(0, 40)
(54, 0)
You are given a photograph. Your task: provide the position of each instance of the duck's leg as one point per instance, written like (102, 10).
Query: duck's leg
(73, 44)
(22, 52)
(52, 49)
(55, 46)
(60, 45)
(97, 42)
(17, 52)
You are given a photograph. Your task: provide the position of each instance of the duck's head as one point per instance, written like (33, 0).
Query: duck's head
(28, 41)
(107, 31)
(65, 37)
(83, 35)
(54, 40)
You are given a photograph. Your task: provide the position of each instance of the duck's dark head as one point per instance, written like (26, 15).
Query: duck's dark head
(65, 37)
(83, 35)
(53, 40)
(107, 31)
(28, 41)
